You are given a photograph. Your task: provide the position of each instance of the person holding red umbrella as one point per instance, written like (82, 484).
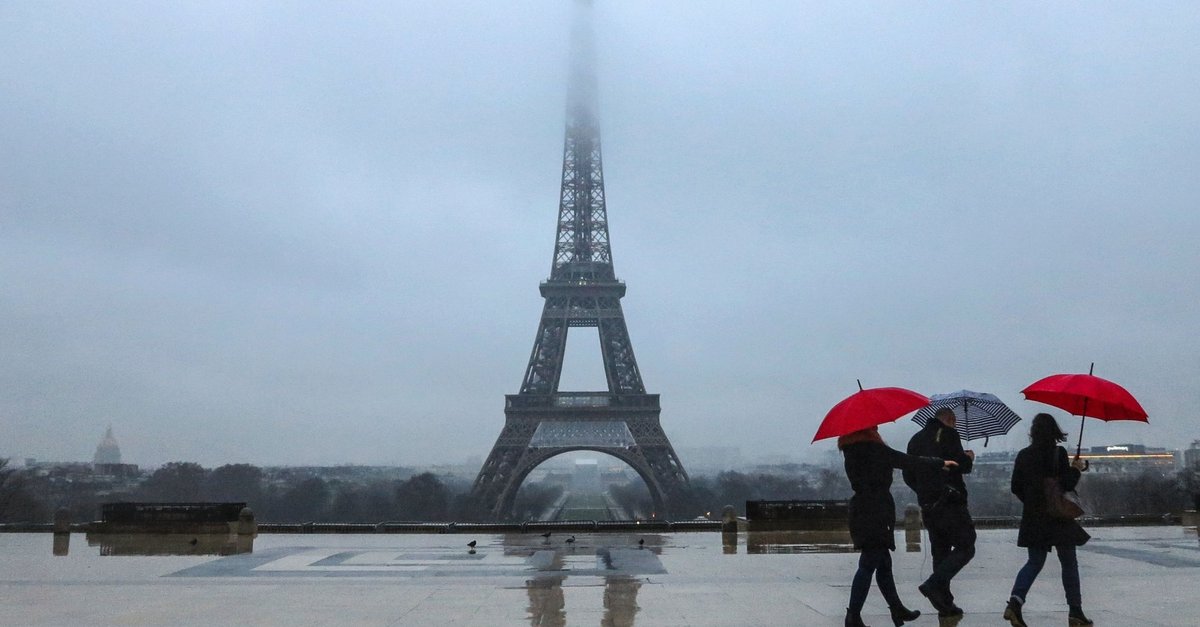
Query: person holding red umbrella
(869, 463)
(1041, 531)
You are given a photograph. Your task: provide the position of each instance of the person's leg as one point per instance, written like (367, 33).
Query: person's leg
(1070, 574)
(959, 536)
(963, 540)
(1029, 572)
(887, 583)
(868, 561)
(939, 544)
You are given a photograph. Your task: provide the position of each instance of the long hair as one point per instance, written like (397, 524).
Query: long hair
(863, 435)
(1044, 431)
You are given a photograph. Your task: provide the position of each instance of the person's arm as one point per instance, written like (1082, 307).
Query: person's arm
(1017, 485)
(952, 449)
(904, 461)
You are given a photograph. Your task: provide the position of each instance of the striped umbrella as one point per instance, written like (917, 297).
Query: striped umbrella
(979, 415)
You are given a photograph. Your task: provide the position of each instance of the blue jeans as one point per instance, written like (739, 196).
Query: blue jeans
(1037, 559)
(877, 562)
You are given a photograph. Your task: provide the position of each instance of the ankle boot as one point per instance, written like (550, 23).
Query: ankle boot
(1012, 614)
(937, 597)
(1076, 618)
(854, 619)
(901, 614)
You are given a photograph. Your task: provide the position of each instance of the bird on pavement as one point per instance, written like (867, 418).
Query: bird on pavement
(641, 542)
(571, 540)
(471, 544)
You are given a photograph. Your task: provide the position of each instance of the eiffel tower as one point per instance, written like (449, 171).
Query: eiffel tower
(541, 422)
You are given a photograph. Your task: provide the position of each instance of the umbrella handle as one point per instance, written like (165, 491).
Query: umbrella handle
(1082, 417)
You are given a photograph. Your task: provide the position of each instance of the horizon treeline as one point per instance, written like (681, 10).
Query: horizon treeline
(288, 495)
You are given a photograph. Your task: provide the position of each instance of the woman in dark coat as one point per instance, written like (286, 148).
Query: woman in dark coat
(1040, 532)
(869, 464)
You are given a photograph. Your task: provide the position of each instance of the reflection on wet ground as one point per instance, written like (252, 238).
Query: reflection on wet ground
(547, 604)
(600, 578)
(617, 558)
(949, 621)
(160, 543)
(795, 541)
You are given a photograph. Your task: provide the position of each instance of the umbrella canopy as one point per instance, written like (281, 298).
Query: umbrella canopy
(868, 408)
(979, 415)
(1086, 395)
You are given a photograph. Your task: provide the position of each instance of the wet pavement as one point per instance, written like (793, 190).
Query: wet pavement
(1131, 576)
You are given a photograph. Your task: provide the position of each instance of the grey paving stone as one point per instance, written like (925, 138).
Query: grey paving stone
(1131, 576)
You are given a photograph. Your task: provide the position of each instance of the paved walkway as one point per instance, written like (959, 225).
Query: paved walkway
(1131, 576)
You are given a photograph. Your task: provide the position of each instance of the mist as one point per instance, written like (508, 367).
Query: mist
(312, 234)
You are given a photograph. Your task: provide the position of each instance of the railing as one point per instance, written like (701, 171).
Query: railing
(582, 400)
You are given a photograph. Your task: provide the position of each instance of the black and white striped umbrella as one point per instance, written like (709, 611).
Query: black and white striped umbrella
(979, 415)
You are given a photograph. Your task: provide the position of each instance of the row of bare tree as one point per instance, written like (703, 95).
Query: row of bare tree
(27, 497)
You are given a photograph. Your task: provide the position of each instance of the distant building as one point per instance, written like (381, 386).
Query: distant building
(1113, 458)
(107, 451)
(1191, 457)
(1130, 458)
(993, 464)
(586, 476)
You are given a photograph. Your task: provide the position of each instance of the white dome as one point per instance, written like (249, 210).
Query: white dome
(107, 452)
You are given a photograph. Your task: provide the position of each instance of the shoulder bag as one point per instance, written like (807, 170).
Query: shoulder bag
(1060, 504)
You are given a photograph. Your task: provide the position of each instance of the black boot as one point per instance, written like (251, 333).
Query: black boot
(1075, 617)
(1012, 613)
(951, 609)
(854, 619)
(937, 597)
(901, 614)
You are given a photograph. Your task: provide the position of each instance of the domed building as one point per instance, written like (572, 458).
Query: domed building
(107, 452)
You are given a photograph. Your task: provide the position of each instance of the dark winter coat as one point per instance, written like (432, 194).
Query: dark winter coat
(1035, 463)
(872, 511)
(935, 439)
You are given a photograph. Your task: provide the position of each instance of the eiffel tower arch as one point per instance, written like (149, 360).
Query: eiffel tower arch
(541, 422)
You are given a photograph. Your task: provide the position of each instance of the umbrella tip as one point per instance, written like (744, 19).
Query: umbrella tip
(1091, 367)
(859, 381)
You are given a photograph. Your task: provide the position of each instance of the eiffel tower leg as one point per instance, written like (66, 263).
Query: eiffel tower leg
(546, 360)
(620, 367)
(672, 480)
(499, 475)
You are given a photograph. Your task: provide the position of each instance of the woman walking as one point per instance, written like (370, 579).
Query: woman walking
(869, 463)
(1040, 531)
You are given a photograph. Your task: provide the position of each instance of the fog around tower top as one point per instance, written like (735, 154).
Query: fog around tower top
(284, 234)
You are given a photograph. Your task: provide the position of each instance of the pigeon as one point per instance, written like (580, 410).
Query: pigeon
(641, 542)
(571, 540)
(546, 535)
(471, 544)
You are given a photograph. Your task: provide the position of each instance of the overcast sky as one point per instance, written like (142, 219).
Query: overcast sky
(294, 233)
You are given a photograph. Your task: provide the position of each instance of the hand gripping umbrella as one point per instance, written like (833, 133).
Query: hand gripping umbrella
(1087, 396)
(868, 408)
(979, 415)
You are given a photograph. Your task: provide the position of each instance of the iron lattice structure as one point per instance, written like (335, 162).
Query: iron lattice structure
(582, 291)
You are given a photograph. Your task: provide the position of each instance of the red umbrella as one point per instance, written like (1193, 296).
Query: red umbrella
(868, 408)
(1086, 395)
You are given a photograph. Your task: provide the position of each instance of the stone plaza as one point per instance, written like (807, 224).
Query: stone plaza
(1131, 576)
